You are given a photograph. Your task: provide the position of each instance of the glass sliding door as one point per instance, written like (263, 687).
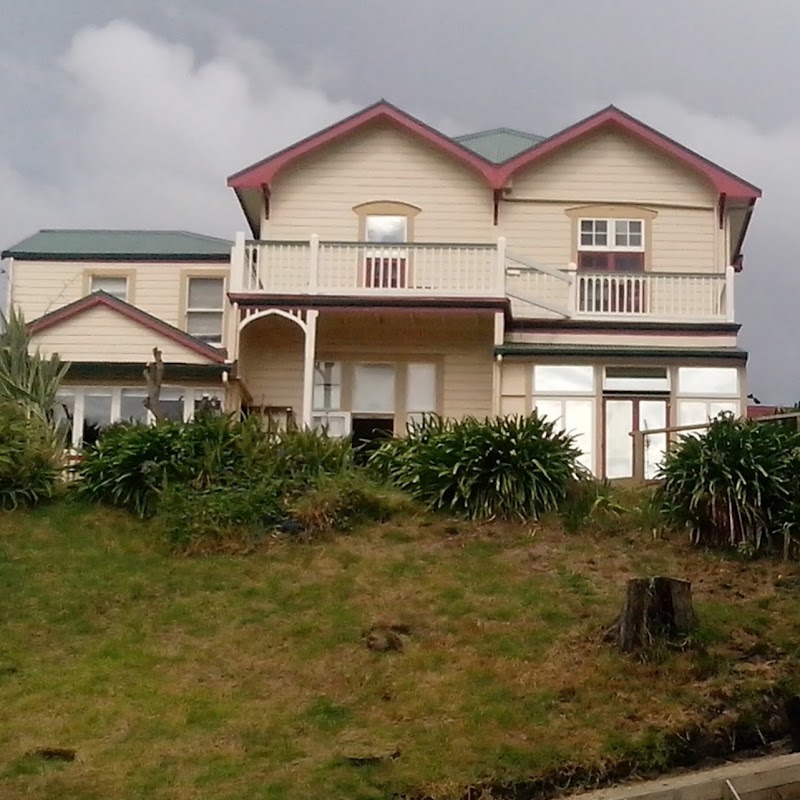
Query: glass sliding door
(618, 441)
(624, 415)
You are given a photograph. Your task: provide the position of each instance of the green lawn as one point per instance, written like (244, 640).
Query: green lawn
(246, 677)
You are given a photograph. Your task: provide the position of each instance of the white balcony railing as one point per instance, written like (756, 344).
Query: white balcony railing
(360, 268)
(480, 271)
(660, 296)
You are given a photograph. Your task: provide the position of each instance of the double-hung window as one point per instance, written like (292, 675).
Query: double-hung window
(386, 262)
(204, 309)
(611, 245)
(614, 251)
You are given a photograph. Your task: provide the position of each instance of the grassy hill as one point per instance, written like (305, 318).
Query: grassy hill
(247, 676)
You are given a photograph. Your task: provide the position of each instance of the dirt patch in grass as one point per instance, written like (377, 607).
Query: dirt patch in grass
(228, 676)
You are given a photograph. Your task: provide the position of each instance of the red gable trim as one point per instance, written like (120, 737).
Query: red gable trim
(496, 176)
(263, 172)
(131, 312)
(724, 182)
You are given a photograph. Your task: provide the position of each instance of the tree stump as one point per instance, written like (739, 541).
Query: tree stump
(655, 609)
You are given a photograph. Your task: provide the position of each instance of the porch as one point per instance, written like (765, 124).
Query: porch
(479, 271)
(343, 368)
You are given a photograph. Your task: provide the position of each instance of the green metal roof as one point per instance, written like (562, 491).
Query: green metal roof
(499, 144)
(119, 245)
(525, 349)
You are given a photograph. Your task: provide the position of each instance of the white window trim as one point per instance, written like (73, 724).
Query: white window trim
(611, 236)
(204, 310)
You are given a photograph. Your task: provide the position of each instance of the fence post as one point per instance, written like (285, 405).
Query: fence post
(638, 456)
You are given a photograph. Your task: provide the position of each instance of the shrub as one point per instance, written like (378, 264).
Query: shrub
(736, 485)
(220, 517)
(341, 502)
(131, 464)
(513, 467)
(29, 458)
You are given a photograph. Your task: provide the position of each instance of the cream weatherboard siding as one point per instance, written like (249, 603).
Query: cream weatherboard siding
(271, 354)
(100, 334)
(380, 164)
(271, 362)
(611, 168)
(158, 288)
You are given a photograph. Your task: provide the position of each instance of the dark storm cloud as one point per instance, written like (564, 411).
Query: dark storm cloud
(130, 113)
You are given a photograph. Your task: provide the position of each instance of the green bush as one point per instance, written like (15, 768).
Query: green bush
(131, 464)
(30, 459)
(343, 501)
(737, 485)
(513, 467)
(220, 517)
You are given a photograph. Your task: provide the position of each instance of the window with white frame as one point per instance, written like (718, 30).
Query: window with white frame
(386, 264)
(565, 394)
(373, 389)
(205, 309)
(420, 392)
(327, 385)
(611, 245)
(83, 412)
(706, 392)
(115, 285)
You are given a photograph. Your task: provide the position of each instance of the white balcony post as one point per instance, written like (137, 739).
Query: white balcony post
(572, 301)
(308, 366)
(238, 263)
(730, 279)
(500, 273)
(313, 265)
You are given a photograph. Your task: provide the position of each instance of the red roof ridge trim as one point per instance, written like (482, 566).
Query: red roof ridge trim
(496, 176)
(100, 298)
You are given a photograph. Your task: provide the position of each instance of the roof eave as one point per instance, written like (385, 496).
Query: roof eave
(263, 172)
(724, 181)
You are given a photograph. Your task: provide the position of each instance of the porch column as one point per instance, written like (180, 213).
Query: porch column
(497, 361)
(308, 366)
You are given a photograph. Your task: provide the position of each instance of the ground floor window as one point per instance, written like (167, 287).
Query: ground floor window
(352, 396)
(706, 392)
(84, 411)
(601, 405)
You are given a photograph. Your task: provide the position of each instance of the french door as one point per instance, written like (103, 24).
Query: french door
(626, 456)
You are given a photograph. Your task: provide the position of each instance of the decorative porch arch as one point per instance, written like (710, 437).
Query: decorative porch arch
(292, 316)
(309, 327)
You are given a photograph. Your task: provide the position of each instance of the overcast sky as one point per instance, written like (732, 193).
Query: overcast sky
(130, 113)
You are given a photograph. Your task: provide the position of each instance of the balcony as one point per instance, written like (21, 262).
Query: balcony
(477, 271)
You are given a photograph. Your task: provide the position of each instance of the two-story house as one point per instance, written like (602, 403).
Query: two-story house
(393, 271)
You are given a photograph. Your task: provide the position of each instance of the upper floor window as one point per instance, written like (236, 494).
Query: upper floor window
(115, 285)
(386, 228)
(385, 264)
(204, 309)
(611, 245)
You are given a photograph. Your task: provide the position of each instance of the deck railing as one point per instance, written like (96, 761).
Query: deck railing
(476, 270)
(353, 268)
